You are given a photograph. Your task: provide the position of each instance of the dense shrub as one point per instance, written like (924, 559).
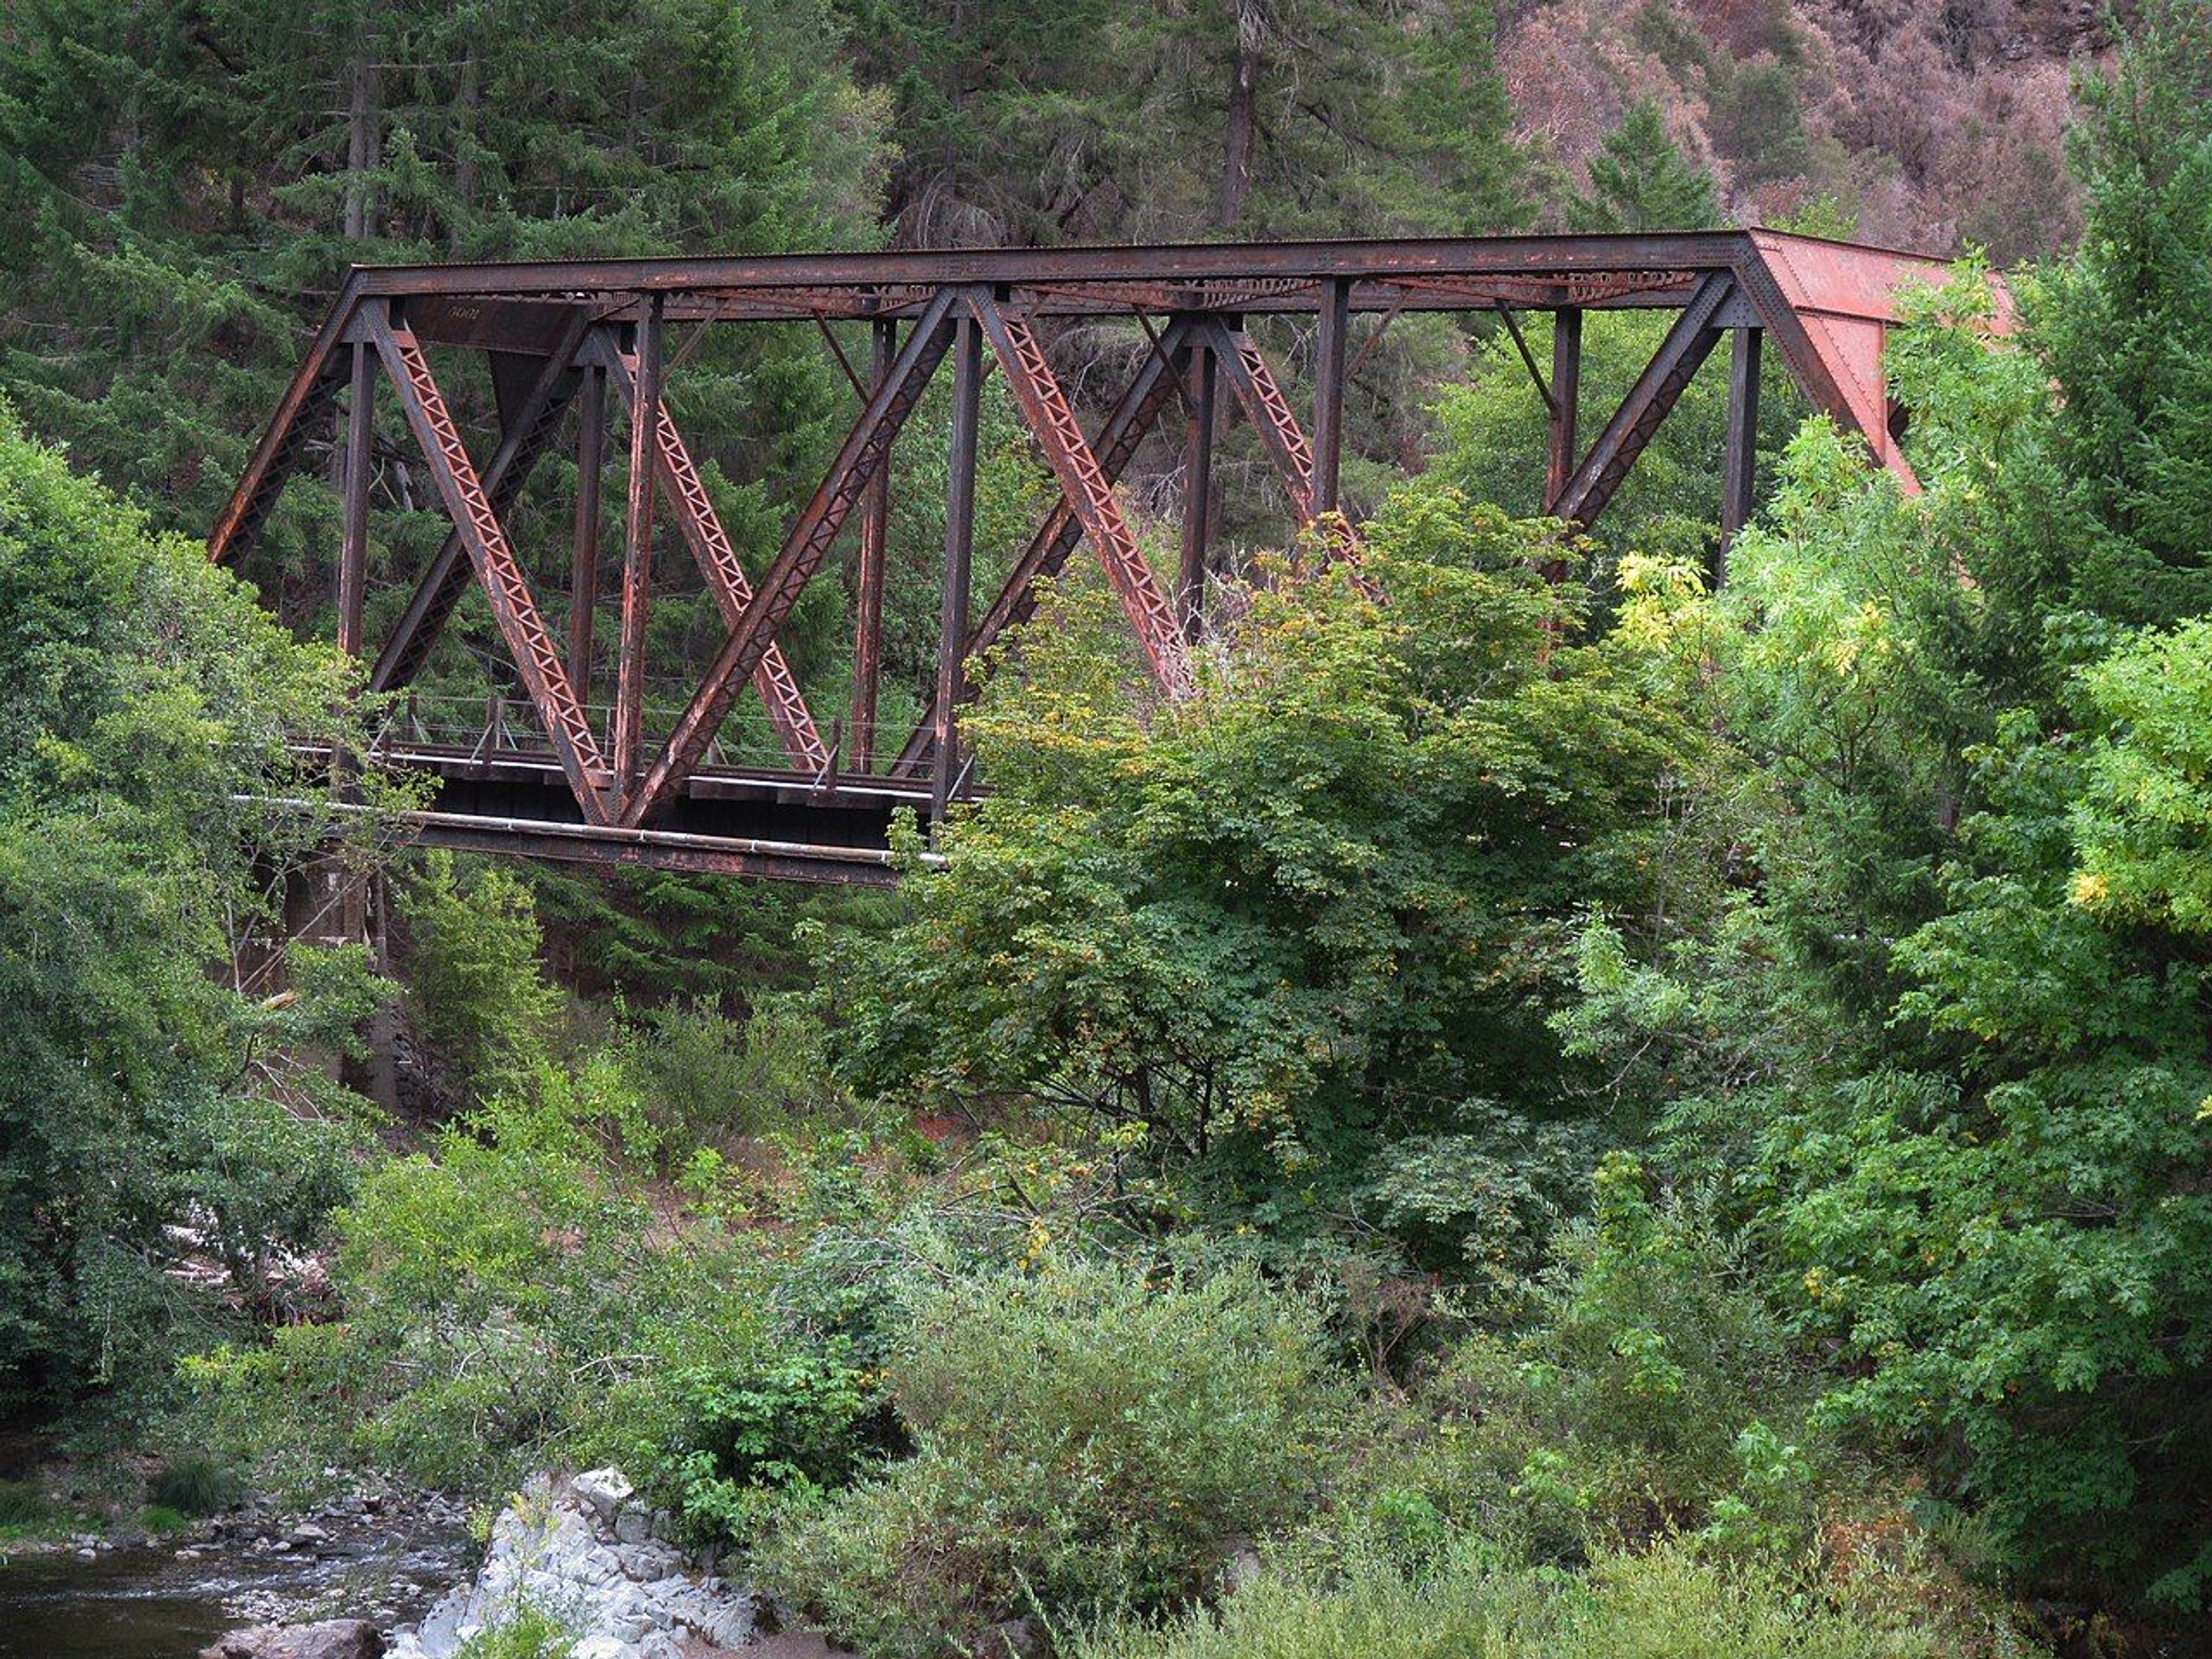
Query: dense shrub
(511, 1297)
(1648, 1389)
(479, 993)
(1668, 1604)
(1087, 1438)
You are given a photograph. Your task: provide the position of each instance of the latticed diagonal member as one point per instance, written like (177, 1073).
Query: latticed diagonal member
(513, 607)
(1089, 493)
(711, 548)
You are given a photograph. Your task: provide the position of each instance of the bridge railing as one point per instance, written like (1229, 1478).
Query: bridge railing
(503, 724)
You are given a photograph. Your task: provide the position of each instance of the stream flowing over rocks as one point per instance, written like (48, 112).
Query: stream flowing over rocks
(587, 1552)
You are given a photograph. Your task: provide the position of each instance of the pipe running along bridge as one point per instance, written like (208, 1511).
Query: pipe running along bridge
(548, 773)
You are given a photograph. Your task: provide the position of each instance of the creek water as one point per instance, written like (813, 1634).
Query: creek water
(148, 1604)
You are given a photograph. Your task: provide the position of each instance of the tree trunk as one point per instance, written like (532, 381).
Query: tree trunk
(364, 146)
(1244, 86)
(464, 148)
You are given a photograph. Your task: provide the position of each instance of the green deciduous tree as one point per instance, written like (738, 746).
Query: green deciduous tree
(1319, 907)
(143, 699)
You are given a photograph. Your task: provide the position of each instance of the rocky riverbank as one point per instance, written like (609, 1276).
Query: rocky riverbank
(586, 1554)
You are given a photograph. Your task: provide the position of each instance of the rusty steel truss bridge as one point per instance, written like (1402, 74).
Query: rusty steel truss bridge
(550, 773)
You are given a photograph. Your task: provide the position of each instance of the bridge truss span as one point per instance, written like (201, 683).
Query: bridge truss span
(572, 347)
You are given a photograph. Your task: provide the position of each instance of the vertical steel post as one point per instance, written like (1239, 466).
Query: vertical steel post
(1742, 466)
(1559, 456)
(637, 553)
(868, 580)
(959, 550)
(1198, 488)
(1329, 391)
(584, 560)
(353, 549)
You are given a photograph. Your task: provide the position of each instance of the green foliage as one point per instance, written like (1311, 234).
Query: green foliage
(1946, 1061)
(1315, 908)
(175, 169)
(1669, 1604)
(1490, 427)
(145, 703)
(163, 1521)
(508, 1301)
(2141, 819)
(790, 1428)
(1646, 1388)
(194, 1484)
(708, 1080)
(474, 976)
(1086, 1437)
(1089, 121)
(1640, 180)
(2125, 327)
(23, 1507)
(527, 1633)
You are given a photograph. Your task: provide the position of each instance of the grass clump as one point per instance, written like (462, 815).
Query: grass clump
(195, 1486)
(530, 1632)
(23, 1507)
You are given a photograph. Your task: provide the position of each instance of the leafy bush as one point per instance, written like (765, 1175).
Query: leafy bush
(479, 992)
(1624, 1406)
(792, 1426)
(710, 1080)
(512, 1298)
(145, 701)
(1085, 1439)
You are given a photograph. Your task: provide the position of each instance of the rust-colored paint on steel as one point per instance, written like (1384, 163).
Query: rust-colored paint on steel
(1133, 418)
(584, 548)
(1088, 491)
(628, 736)
(1197, 485)
(512, 604)
(865, 449)
(1565, 395)
(1829, 307)
(520, 447)
(712, 551)
(353, 547)
(868, 574)
(1649, 401)
(959, 554)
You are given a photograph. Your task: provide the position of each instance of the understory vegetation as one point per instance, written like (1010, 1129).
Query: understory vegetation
(1636, 1115)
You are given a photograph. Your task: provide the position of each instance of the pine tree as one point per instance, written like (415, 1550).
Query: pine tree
(1640, 180)
(192, 177)
(1110, 120)
(2126, 327)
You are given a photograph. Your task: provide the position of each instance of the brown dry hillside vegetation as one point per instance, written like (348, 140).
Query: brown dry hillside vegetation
(1933, 123)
